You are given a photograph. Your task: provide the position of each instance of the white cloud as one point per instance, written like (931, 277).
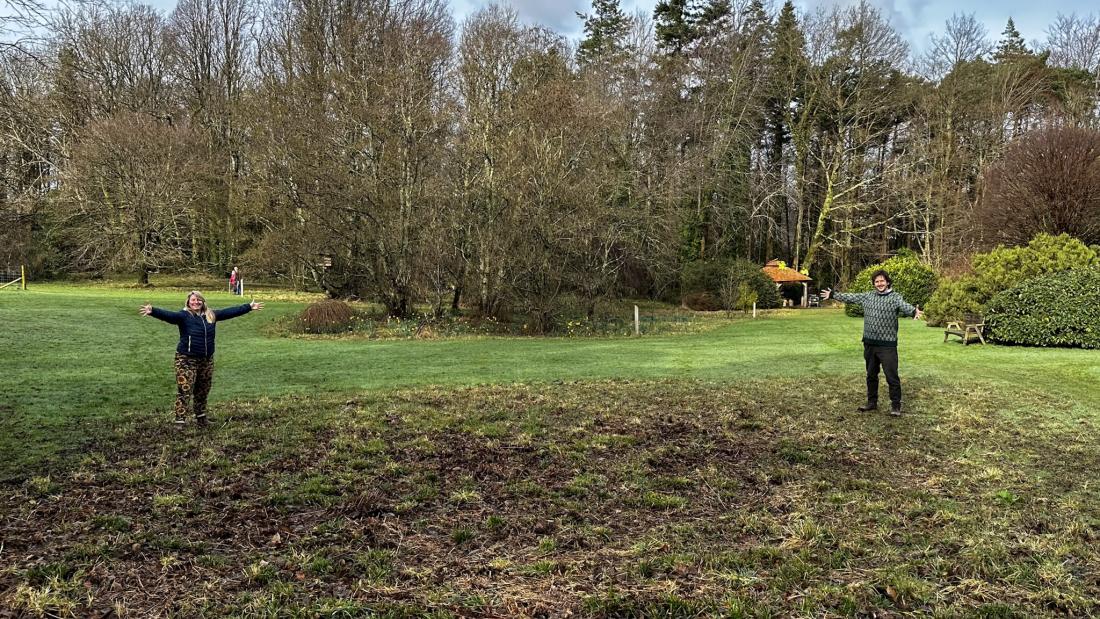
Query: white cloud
(558, 15)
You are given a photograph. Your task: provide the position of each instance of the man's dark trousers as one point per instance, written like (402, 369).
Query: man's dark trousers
(885, 357)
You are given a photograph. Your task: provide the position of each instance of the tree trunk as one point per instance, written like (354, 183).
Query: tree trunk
(819, 231)
(456, 298)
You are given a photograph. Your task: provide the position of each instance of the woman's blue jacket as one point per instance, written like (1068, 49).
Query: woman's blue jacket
(196, 334)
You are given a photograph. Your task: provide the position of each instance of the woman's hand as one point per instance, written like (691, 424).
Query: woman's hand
(825, 294)
(146, 309)
(256, 306)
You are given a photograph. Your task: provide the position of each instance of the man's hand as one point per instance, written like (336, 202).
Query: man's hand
(256, 306)
(825, 294)
(146, 309)
(919, 313)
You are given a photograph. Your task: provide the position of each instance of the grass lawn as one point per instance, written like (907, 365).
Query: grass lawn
(718, 473)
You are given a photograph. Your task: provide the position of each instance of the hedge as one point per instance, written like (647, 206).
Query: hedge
(1059, 309)
(1003, 268)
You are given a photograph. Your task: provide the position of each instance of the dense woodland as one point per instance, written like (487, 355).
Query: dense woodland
(378, 149)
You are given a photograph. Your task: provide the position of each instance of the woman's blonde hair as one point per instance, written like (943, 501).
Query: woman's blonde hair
(210, 317)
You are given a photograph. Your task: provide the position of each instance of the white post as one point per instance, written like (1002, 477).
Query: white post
(805, 294)
(637, 322)
(240, 284)
(23, 276)
(754, 309)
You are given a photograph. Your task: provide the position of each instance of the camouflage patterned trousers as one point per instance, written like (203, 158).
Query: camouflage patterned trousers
(193, 378)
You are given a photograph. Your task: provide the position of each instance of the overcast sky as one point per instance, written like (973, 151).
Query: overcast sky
(914, 19)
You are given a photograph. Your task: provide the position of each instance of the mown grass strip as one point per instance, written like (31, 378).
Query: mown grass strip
(75, 359)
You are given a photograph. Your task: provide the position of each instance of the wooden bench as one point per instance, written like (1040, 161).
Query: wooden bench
(969, 326)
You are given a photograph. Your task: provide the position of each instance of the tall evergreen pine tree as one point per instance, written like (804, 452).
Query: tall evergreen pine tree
(674, 26)
(1011, 46)
(605, 30)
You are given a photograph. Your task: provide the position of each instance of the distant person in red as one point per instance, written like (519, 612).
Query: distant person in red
(195, 351)
(234, 281)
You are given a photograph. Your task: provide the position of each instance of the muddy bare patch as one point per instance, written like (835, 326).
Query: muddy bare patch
(599, 499)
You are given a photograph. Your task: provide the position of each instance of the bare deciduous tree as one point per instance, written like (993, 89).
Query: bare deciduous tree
(120, 56)
(210, 49)
(20, 22)
(353, 128)
(1074, 41)
(965, 39)
(491, 49)
(855, 91)
(1049, 181)
(26, 155)
(128, 195)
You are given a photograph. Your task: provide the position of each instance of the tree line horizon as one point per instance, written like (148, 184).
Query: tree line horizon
(377, 149)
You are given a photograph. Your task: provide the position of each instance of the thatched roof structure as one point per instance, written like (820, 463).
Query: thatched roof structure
(784, 275)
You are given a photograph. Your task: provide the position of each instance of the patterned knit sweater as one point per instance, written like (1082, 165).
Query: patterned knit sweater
(880, 314)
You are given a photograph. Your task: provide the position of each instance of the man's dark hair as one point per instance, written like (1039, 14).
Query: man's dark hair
(883, 273)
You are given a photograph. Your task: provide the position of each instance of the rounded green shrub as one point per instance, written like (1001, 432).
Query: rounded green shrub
(953, 299)
(913, 279)
(746, 272)
(1003, 268)
(741, 297)
(1057, 309)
